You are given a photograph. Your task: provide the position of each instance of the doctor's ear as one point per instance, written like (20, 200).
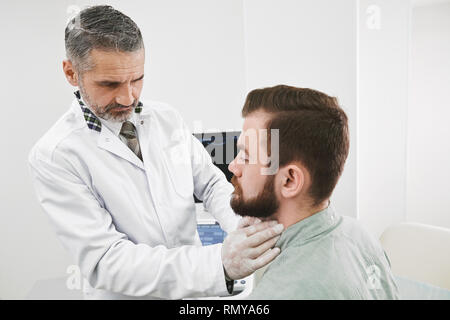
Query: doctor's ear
(69, 72)
(292, 180)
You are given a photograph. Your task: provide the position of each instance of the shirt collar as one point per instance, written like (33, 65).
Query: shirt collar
(95, 123)
(115, 126)
(111, 125)
(308, 228)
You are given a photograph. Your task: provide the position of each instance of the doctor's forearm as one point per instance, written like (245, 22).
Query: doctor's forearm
(218, 204)
(107, 258)
(212, 187)
(141, 270)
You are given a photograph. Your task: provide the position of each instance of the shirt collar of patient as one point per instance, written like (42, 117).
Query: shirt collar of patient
(306, 229)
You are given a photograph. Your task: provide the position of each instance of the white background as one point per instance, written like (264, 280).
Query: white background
(391, 75)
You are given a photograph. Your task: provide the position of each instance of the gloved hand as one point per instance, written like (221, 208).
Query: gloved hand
(249, 247)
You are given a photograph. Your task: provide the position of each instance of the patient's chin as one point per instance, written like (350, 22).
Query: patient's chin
(262, 206)
(236, 205)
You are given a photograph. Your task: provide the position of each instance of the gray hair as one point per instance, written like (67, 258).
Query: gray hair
(100, 27)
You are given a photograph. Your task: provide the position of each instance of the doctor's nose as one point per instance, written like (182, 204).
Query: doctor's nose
(125, 96)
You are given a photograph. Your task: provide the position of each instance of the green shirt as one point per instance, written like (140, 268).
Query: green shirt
(327, 256)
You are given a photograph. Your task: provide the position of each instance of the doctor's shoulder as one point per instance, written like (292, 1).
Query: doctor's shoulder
(59, 132)
(162, 112)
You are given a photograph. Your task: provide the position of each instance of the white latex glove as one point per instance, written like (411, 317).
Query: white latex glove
(249, 247)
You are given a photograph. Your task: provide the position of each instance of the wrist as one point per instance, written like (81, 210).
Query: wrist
(229, 282)
(227, 277)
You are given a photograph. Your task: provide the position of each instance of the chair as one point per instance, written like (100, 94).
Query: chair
(419, 252)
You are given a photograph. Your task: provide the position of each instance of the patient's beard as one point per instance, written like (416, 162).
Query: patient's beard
(262, 206)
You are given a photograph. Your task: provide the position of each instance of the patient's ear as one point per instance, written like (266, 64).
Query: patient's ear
(292, 180)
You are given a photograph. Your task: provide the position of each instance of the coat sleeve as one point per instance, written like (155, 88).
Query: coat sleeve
(211, 185)
(106, 257)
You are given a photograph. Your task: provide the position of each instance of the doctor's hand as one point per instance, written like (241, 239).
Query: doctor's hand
(249, 247)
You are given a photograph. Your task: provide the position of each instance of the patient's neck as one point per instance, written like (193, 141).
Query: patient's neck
(291, 212)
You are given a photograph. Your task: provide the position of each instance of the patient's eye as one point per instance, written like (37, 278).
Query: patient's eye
(243, 156)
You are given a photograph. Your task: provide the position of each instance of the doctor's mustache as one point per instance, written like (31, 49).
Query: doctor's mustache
(118, 105)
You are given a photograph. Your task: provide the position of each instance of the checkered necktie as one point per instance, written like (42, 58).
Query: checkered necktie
(128, 132)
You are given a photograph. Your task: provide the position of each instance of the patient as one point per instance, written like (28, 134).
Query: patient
(323, 255)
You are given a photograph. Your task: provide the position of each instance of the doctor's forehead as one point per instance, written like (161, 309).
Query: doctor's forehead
(116, 64)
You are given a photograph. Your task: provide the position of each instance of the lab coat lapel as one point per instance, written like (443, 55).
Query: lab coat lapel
(142, 128)
(109, 142)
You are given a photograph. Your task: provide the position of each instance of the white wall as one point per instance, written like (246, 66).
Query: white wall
(383, 55)
(327, 45)
(196, 59)
(33, 95)
(428, 174)
(194, 56)
(309, 44)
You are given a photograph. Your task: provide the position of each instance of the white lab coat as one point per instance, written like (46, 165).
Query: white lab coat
(131, 226)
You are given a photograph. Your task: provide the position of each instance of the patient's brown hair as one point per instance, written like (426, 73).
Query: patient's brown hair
(313, 129)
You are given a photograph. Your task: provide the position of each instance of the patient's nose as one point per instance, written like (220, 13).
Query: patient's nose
(233, 168)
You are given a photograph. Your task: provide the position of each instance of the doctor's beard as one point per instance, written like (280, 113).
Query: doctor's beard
(112, 112)
(264, 205)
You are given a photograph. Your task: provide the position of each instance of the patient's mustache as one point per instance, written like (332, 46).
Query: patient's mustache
(237, 187)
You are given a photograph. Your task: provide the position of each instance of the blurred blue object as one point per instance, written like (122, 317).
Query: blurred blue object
(211, 233)
(415, 290)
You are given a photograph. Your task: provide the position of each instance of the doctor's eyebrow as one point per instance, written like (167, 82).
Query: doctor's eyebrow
(115, 83)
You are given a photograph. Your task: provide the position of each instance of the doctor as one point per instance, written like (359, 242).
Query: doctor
(116, 177)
